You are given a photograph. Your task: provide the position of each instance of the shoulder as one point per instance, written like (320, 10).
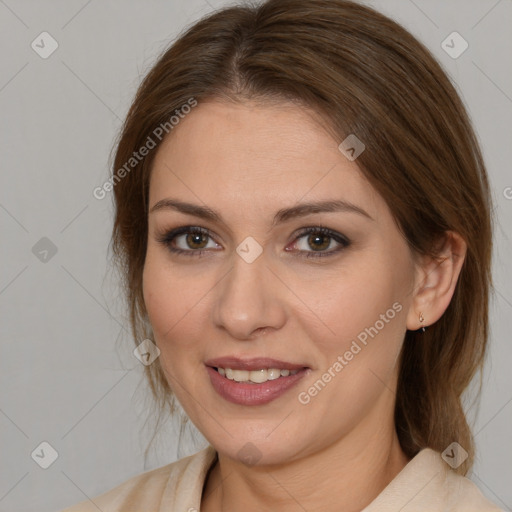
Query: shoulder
(463, 494)
(428, 484)
(148, 491)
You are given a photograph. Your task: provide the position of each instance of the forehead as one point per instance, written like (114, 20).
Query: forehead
(262, 156)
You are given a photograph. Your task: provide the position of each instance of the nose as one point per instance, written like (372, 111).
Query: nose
(249, 299)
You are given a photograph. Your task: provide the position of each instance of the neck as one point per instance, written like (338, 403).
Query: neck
(344, 476)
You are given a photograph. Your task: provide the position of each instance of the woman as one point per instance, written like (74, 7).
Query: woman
(303, 220)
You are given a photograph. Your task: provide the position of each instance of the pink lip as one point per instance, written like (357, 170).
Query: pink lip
(242, 393)
(256, 363)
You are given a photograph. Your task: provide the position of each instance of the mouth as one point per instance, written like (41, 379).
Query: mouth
(253, 381)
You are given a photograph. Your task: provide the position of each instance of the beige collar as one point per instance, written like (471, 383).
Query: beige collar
(425, 484)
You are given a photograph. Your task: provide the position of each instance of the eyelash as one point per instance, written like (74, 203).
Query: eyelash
(168, 237)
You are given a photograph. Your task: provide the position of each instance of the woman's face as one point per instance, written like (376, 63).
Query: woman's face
(259, 281)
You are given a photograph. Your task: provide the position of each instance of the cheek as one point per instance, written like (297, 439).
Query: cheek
(154, 285)
(161, 302)
(172, 300)
(364, 310)
(356, 298)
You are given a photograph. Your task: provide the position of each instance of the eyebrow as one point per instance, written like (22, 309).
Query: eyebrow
(283, 215)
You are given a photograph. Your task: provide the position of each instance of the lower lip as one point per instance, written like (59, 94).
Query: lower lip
(252, 394)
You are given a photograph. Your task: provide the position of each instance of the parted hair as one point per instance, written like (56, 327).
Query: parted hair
(364, 74)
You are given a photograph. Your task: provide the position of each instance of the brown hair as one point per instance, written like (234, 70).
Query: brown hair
(365, 75)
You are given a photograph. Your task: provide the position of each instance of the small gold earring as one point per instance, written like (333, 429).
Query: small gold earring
(422, 320)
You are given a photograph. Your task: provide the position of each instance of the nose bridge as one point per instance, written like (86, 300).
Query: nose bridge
(248, 298)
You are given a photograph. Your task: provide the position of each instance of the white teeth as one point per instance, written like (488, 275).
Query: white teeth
(273, 374)
(255, 376)
(240, 376)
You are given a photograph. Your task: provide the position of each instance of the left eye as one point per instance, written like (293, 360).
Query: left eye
(321, 239)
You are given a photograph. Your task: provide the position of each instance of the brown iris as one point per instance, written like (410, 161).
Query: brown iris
(315, 237)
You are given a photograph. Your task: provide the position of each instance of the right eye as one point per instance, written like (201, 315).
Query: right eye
(193, 240)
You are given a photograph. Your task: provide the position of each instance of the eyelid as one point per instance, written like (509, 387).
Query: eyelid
(165, 237)
(319, 228)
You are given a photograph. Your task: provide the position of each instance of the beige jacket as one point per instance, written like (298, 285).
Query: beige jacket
(425, 484)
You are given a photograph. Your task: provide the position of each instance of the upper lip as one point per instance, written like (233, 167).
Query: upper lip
(256, 363)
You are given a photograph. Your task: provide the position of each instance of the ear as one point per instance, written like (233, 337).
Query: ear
(435, 281)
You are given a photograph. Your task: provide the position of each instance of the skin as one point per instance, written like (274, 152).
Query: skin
(247, 161)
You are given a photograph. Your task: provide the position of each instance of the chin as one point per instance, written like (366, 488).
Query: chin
(252, 449)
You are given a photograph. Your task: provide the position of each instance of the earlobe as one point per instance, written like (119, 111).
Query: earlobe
(422, 319)
(436, 282)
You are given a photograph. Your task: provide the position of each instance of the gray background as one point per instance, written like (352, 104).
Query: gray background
(67, 372)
